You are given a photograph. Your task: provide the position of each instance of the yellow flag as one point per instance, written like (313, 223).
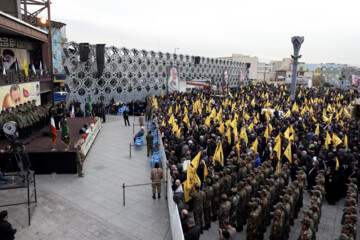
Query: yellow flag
(228, 135)
(287, 153)
(314, 119)
(346, 142)
(178, 133)
(191, 178)
(25, 68)
(195, 162)
(171, 120)
(186, 120)
(292, 129)
(337, 164)
(287, 114)
(317, 132)
(207, 121)
(277, 138)
(253, 102)
(206, 171)
(244, 136)
(336, 140)
(163, 123)
(277, 148)
(251, 126)
(327, 140)
(346, 113)
(266, 134)
(255, 146)
(287, 133)
(170, 110)
(219, 154)
(221, 128)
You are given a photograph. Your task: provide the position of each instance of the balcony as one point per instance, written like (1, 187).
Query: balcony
(12, 78)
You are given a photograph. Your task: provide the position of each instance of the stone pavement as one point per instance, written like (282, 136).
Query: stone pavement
(92, 207)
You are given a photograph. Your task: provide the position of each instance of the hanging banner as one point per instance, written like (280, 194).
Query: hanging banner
(13, 95)
(225, 78)
(173, 79)
(355, 81)
(241, 77)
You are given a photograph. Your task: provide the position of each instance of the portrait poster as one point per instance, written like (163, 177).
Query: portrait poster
(15, 94)
(225, 78)
(241, 77)
(355, 81)
(173, 79)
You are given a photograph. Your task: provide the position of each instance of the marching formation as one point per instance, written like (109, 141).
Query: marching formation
(246, 157)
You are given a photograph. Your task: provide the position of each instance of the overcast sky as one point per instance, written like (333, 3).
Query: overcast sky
(215, 28)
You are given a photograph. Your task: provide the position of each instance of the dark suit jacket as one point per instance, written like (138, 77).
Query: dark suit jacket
(6, 231)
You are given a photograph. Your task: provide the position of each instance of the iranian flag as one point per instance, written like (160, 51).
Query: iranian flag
(41, 70)
(52, 134)
(72, 114)
(65, 138)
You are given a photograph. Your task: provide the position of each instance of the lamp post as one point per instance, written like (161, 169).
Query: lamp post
(296, 41)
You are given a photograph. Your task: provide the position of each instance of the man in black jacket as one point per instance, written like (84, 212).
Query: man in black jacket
(194, 231)
(6, 230)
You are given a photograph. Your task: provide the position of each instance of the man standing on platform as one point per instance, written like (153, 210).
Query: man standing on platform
(126, 117)
(149, 143)
(80, 158)
(156, 177)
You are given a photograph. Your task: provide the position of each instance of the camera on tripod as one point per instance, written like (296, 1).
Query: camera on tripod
(16, 145)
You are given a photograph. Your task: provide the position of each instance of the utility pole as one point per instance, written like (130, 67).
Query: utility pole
(296, 41)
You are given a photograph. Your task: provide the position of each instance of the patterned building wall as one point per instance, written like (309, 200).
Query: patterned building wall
(132, 74)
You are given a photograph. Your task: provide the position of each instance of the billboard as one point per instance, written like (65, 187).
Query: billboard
(12, 95)
(355, 81)
(225, 78)
(58, 35)
(241, 77)
(173, 79)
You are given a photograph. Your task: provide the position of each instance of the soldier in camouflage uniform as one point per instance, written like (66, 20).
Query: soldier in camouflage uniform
(234, 200)
(277, 226)
(253, 221)
(310, 215)
(241, 207)
(306, 233)
(265, 212)
(209, 194)
(348, 230)
(215, 201)
(198, 204)
(224, 210)
(227, 182)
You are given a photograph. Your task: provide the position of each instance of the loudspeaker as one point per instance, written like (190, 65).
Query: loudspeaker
(67, 88)
(100, 59)
(84, 50)
(82, 130)
(197, 60)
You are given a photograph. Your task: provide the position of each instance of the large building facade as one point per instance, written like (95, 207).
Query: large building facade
(131, 74)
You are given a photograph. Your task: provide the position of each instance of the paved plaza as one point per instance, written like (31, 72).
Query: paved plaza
(92, 207)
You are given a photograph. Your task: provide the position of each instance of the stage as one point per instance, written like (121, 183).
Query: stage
(43, 159)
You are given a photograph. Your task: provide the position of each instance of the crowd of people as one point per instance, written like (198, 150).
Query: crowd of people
(247, 156)
(29, 117)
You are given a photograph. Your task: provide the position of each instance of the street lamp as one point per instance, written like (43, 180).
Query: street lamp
(296, 41)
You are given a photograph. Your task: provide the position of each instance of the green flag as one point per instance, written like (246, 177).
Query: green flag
(65, 138)
(90, 105)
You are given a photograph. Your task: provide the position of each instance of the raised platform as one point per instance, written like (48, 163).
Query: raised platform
(43, 159)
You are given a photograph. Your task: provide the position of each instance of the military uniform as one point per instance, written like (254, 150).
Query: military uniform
(156, 176)
(306, 233)
(209, 194)
(234, 200)
(224, 211)
(80, 158)
(198, 206)
(241, 207)
(277, 226)
(150, 143)
(215, 201)
(253, 221)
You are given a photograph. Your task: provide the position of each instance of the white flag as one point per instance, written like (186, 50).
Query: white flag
(41, 70)
(72, 112)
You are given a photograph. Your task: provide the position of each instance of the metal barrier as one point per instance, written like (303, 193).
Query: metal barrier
(175, 223)
(137, 185)
(142, 145)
